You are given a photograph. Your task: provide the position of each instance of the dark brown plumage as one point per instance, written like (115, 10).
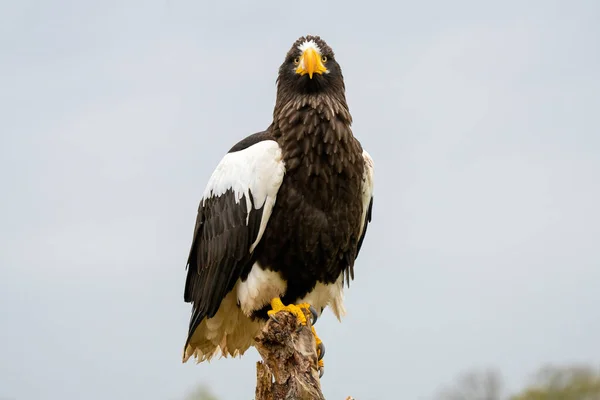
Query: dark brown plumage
(322, 181)
(324, 168)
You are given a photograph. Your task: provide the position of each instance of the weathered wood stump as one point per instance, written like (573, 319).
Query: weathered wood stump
(289, 369)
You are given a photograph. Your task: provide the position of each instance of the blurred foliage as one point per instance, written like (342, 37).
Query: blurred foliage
(201, 393)
(475, 385)
(549, 383)
(563, 383)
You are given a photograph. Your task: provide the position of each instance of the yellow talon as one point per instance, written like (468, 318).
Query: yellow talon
(320, 351)
(317, 338)
(320, 347)
(277, 306)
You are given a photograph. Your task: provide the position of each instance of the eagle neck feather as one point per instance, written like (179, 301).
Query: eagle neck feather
(315, 135)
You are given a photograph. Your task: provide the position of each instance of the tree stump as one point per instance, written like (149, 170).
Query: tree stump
(289, 369)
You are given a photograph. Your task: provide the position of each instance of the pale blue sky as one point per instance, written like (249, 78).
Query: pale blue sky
(482, 118)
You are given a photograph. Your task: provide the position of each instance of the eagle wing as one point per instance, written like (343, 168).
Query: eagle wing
(232, 217)
(367, 197)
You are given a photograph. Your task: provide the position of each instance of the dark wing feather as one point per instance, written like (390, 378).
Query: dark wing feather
(225, 230)
(367, 196)
(367, 220)
(219, 253)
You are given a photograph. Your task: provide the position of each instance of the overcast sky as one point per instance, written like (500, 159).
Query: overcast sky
(484, 123)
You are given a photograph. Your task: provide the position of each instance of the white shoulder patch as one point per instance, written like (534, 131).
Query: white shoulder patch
(367, 185)
(257, 170)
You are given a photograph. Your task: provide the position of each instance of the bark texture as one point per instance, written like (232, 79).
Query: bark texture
(289, 368)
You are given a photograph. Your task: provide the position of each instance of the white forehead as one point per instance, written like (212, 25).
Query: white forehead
(307, 44)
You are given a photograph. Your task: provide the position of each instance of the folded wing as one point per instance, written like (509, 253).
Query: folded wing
(232, 217)
(367, 197)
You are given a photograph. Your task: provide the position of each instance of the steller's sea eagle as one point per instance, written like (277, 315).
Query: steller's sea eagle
(283, 215)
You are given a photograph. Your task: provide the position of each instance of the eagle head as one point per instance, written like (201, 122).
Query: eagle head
(310, 66)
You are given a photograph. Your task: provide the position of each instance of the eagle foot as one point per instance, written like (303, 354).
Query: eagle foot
(277, 305)
(320, 353)
(315, 316)
(296, 309)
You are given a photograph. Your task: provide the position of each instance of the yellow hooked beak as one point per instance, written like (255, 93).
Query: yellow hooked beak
(310, 63)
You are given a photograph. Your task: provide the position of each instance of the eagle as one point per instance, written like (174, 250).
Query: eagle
(283, 215)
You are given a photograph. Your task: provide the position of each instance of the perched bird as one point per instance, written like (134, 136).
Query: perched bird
(284, 214)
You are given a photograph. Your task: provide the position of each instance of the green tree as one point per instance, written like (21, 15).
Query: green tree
(201, 393)
(563, 383)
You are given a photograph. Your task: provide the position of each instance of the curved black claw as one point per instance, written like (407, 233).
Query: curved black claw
(315, 316)
(321, 351)
(321, 372)
(273, 318)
